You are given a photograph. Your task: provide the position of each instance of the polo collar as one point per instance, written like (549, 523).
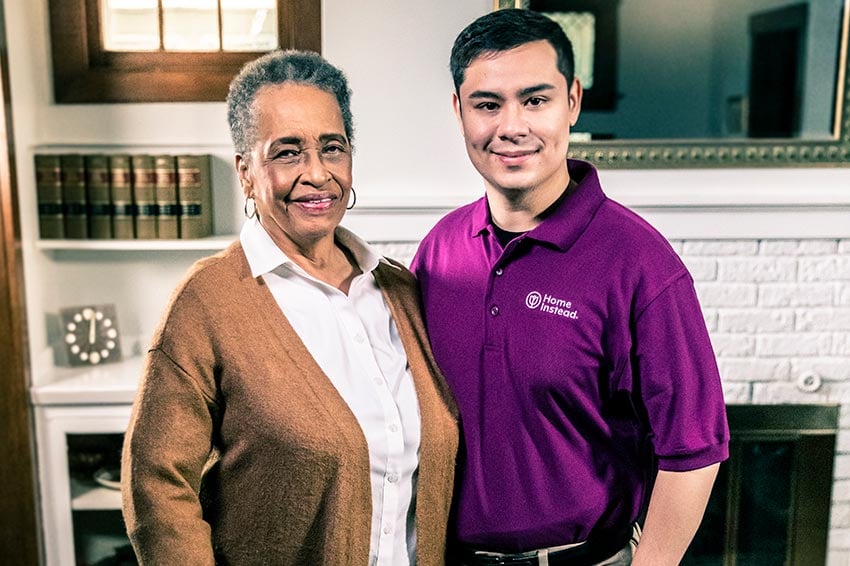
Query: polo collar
(264, 256)
(567, 222)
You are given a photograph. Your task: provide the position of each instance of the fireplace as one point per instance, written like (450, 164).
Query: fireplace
(771, 503)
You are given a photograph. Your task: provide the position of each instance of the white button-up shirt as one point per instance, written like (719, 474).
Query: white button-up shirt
(355, 341)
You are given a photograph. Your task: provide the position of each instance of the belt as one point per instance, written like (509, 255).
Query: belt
(595, 549)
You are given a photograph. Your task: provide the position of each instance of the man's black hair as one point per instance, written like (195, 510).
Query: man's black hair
(502, 30)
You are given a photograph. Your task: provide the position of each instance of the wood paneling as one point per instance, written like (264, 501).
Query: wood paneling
(18, 519)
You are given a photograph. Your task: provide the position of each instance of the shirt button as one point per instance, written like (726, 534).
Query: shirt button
(499, 271)
(392, 478)
(393, 427)
(388, 529)
(494, 310)
(359, 338)
(379, 381)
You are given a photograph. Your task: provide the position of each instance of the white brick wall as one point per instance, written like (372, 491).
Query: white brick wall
(776, 310)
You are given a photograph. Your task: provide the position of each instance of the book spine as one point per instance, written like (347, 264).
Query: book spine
(168, 220)
(144, 196)
(74, 196)
(48, 183)
(195, 192)
(121, 193)
(97, 191)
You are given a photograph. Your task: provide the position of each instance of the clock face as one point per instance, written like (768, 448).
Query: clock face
(90, 334)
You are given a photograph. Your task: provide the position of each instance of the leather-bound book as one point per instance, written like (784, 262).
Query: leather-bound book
(168, 219)
(195, 193)
(48, 186)
(144, 196)
(121, 193)
(97, 191)
(74, 196)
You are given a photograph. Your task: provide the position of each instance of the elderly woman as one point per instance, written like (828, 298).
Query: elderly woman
(290, 410)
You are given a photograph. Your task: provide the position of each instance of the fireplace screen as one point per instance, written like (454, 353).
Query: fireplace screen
(770, 505)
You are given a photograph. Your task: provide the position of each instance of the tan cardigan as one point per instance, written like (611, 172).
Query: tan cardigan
(241, 451)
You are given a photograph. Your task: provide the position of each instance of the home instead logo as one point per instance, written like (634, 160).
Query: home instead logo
(549, 304)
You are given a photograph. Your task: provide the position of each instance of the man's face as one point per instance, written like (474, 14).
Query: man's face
(515, 111)
(299, 170)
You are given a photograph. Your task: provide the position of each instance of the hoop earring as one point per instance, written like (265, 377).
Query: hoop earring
(253, 208)
(350, 206)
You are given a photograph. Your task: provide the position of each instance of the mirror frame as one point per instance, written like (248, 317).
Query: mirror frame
(750, 152)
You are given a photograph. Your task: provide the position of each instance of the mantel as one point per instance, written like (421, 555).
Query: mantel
(681, 203)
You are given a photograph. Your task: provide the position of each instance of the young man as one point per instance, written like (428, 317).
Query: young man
(568, 329)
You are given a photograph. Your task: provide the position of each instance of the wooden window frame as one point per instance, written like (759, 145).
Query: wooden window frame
(83, 72)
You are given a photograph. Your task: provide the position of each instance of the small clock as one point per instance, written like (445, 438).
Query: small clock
(90, 334)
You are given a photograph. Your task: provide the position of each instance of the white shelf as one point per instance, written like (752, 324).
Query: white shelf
(110, 383)
(91, 497)
(210, 243)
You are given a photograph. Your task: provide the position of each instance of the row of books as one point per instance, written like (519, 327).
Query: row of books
(99, 196)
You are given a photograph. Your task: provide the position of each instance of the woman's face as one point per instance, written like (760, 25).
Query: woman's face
(299, 170)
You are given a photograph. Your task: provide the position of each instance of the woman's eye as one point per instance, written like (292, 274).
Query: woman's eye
(334, 150)
(286, 156)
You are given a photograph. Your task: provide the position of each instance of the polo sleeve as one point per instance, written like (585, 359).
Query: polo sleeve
(679, 380)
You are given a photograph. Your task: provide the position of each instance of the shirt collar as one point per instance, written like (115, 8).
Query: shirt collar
(264, 256)
(566, 223)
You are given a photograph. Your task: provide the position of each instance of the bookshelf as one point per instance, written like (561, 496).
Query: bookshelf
(81, 413)
(210, 243)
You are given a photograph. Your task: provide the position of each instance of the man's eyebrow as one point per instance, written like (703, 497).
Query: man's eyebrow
(484, 94)
(535, 89)
(479, 94)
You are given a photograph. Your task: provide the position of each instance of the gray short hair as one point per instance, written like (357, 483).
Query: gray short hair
(278, 67)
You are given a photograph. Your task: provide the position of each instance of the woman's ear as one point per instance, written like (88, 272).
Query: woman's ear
(243, 173)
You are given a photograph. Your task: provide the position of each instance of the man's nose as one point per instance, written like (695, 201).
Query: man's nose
(512, 123)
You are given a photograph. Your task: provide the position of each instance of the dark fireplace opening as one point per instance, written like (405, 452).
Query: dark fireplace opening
(770, 505)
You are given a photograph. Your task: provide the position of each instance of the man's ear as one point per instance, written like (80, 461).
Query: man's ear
(458, 111)
(241, 163)
(575, 101)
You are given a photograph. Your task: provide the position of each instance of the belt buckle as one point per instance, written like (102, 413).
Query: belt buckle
(507, 560)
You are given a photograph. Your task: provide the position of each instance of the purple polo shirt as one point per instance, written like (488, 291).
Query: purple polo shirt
(580, 362)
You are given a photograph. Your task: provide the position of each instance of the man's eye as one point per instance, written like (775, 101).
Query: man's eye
(488, 106)
(333, 148)
(535, 101)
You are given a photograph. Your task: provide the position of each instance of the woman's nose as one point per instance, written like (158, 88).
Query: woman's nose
(314, 170)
